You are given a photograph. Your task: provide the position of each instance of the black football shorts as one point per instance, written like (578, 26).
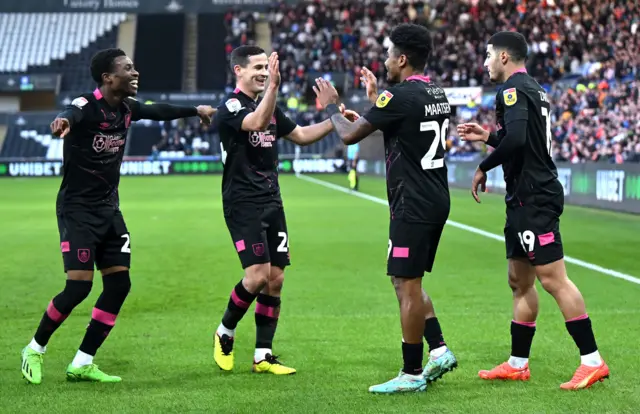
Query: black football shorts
(89, 237)
(532, 231)
(412, 248)
(259, 234)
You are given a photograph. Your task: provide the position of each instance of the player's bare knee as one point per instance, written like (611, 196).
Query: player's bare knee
(521, 276)
(407, 287)
(552, 282)
(276, 279)
(257, 276)
(552, 276)
(397, 284)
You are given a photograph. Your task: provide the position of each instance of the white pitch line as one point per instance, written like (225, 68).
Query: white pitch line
(578, 262)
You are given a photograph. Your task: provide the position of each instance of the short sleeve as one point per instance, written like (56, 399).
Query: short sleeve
(134, 105)
(232, 113)
(514, 104)
(284, 124)
(74, 112)
(389, 107)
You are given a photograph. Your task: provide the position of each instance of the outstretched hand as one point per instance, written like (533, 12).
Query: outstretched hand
(205, 113)
(325, 92)
(351, 115)
(273, 66)
(60, 127)
(371, 84)
(472, 132)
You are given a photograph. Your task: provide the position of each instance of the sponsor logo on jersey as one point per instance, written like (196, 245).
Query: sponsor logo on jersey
(383, 99)
(79, 102)
(107, 143)
(233, 105)
(263, 139)
(510, 96)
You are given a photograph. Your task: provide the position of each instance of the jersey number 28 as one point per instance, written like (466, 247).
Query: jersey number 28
(429, 162)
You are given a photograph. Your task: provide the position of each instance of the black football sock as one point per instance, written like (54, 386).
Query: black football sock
(582, 333)
(75, 291)
(239, 302)
(521, 338)
(267, 313)
(106, 310)
(412, 356)
(433, 334)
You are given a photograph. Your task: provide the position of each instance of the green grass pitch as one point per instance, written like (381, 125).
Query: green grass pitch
(339, 324)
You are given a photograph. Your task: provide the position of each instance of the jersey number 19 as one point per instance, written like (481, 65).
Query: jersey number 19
(429, 162)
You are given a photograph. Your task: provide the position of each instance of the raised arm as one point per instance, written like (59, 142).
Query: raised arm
(163, 112)
(307, 135)
(310, 134)
(168, 112)
(349, 132)
(259, 119)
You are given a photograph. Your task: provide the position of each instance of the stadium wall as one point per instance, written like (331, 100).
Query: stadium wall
(606, 186)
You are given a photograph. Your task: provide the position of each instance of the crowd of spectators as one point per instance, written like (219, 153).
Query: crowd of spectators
(594, 42)
(188, 137)
(241, 30)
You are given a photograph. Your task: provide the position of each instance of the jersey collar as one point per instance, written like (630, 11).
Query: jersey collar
(521, 70)
(238, 91)
(420, 78)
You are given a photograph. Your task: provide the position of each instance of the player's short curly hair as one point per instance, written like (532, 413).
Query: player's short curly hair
(240, 55)
(413, 41)
(102, 62)
(513, 43)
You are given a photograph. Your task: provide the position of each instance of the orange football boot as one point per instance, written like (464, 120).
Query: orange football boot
(505, 371)
(586, 376)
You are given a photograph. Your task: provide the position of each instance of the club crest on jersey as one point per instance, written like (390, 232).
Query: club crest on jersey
(510, 96)
(79, 102)
(383, 99)
(233, 105)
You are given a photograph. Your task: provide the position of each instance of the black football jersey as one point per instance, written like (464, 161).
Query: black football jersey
(414, 118)
(250, 158)
(530, 173)
(93, 151)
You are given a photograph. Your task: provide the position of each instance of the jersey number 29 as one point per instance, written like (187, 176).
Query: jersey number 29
(428, 162)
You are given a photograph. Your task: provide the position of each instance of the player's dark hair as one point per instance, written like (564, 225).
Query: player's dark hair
(513, 43)
(413, 41)
(102, 62)
(240, 55)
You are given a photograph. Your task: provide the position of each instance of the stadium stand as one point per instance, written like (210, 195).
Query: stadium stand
(585, 54)
(56, 43)
(593, 45)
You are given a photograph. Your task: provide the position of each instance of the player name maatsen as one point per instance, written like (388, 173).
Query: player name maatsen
(437, 109)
